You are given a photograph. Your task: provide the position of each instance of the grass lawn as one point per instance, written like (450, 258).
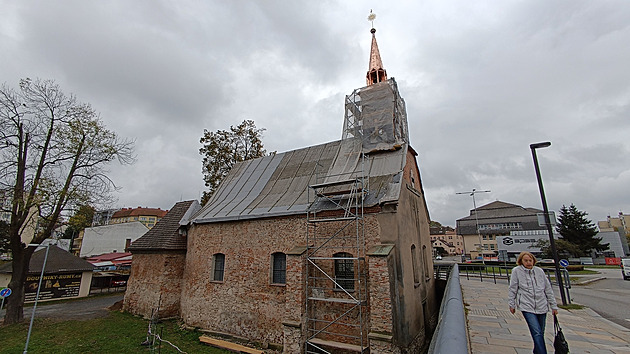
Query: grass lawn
(116, 333)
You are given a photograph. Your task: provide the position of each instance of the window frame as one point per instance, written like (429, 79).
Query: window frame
(275, 271)
(344, 271)
(215, 259)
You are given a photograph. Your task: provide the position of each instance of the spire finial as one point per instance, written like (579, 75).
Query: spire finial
(371, 18)
(376, 73)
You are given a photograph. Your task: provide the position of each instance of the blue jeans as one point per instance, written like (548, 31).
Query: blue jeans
(536, 324)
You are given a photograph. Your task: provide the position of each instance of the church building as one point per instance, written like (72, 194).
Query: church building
(317, 250)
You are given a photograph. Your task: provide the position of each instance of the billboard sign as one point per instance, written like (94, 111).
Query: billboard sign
(54, 286)
(520, 243)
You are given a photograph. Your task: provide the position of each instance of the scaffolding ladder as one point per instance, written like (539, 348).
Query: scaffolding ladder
(336, 286)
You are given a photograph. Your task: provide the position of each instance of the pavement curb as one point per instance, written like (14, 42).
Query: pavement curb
(592, 313)
(588, 281)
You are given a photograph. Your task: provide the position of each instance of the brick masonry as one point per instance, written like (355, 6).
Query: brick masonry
(246, 304)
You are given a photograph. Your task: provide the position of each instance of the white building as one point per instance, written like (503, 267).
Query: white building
(110, 238)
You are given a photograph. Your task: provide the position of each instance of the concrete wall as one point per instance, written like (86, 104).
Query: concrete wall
(110, 238)
(4, 280)
(155, 281)
(86, 282)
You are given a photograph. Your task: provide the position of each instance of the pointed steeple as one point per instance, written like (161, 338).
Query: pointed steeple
(375, 73)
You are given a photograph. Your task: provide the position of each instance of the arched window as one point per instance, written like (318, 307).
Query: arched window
(218, 266)
(427, 271)
(414, 262)
(344, 270)
(278, 268)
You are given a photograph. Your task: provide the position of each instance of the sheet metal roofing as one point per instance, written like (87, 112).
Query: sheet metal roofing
(375, 124)
(278, 185)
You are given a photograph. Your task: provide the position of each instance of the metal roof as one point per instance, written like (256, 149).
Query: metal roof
(375, 124)
(278, 185)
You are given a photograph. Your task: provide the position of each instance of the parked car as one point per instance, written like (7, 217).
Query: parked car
(438, 257)
(625, 268)
(119, 283)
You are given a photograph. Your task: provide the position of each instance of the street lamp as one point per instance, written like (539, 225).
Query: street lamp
(552, 242)
(41, 276)
(472, 194)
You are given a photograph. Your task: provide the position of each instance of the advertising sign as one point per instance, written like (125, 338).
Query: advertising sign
(54, 286)
(519, 243)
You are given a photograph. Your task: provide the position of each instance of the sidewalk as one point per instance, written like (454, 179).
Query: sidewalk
(493, 329)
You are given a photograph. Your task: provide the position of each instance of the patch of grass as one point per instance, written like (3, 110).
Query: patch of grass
(571, 307)
(116, 333)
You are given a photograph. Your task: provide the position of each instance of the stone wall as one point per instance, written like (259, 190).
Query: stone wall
(155, 282)
(245, 304)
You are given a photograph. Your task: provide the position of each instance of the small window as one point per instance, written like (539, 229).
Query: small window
(279, 268)
(344, 271)
(218, 266)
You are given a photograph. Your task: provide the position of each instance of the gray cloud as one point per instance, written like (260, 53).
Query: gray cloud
(482, 80)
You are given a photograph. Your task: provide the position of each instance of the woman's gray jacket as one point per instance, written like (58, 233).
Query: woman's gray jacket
(530, 291)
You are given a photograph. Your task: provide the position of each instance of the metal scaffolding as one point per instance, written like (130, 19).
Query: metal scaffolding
(336, 286)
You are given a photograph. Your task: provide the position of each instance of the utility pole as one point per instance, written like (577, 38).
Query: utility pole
(472, 194)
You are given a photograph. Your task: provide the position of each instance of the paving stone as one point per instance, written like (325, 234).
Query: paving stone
(493, 329)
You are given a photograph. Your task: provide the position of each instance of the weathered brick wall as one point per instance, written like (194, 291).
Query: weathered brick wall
(155, 282)
(380, 295)
(245, 304)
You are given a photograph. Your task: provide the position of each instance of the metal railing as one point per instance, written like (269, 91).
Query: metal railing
(451, 334)
(494, 272)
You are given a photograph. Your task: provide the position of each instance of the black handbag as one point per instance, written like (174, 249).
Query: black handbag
(559, 343)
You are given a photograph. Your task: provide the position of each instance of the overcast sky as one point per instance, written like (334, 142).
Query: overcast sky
(482, 80)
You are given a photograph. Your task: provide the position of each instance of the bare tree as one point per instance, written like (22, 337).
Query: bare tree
(53, 156)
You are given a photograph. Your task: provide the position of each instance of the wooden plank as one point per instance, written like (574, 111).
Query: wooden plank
(229, 345)
(337, 345)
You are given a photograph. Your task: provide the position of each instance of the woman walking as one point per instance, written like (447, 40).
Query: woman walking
(530, 292)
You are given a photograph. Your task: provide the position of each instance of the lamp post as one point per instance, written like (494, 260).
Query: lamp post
(552, 242)
(472, 194)
(41, 276)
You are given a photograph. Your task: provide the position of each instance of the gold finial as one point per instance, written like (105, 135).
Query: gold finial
(371, 17)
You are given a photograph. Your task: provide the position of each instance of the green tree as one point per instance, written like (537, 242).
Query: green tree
(564, 248)
(222, 149)
(53, 150)
(81, 219)
(434, 224)
(575, 228)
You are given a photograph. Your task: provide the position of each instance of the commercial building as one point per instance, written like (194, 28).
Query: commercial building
(481, 228)
(65, 275)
